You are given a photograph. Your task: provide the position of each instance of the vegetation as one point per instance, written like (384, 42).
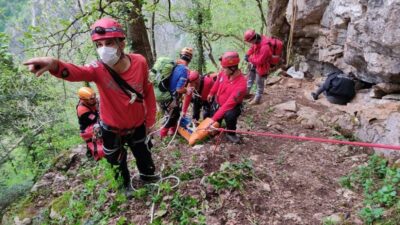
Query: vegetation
(379, 184)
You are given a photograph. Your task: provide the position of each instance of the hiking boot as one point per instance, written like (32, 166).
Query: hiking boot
(255, 101)
(233, 138)
(149, 179)
(128, 192)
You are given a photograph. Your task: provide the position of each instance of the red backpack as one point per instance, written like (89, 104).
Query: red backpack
(276, 46)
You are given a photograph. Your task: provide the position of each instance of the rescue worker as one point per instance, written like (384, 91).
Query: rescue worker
(228, 93)
(123, 118)
(197, 91)
(177, 84)
(87, 108)
(185, 56)
(259, 56)
(88, 116)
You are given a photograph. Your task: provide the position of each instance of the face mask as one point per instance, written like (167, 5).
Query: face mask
(108, 55)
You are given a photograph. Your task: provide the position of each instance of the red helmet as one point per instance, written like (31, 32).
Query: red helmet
(193, 76)
(249, 35)
(106, 28)
(230, 59)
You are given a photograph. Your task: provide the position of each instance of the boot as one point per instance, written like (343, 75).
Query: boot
(163, 132)
(128, 191)
(256, 101)
(149, 179)
(233, 138)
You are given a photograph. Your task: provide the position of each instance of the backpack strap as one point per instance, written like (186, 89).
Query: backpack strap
(134, 95)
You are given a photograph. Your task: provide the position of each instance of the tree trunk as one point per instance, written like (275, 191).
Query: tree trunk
(153, 38)
(137, 33)
(200, 64)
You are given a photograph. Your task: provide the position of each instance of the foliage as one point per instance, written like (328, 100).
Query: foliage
(231, 175)
(380, 185)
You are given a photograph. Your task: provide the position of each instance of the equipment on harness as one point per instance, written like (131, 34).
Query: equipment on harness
(160, 75)
(276, 46)
(134, 95)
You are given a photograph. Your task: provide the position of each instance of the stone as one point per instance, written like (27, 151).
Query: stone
(287, 106)
(294, 217)
(388, 88)
(334, 218)
(40, 185)
(376, 93)
(197, 147)
(273, 80)
(26, 221)
(395, 97)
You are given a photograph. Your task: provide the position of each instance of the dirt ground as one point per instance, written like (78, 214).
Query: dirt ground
(294, 182)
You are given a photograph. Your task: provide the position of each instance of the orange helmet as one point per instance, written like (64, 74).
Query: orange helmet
(249, 35)
(186, 51)
(86, 93)
(229, 59)
(106, 28)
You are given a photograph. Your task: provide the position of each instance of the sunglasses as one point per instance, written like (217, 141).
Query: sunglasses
(102, 30)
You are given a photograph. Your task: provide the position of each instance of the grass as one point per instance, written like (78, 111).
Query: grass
(380, 185)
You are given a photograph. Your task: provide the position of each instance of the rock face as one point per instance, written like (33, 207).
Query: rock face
(357, 36)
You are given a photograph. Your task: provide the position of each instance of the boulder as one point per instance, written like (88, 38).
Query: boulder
(287, 106)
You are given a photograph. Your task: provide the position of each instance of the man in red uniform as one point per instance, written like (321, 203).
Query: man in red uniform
(123, 118)
(229, 91)
(259, 56)
(197, 91)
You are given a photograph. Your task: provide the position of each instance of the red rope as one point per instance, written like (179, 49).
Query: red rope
(324, 140)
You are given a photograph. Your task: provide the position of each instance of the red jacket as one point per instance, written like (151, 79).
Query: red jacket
(228, 93)
(208, 83)
(260, 55)
(115, 109)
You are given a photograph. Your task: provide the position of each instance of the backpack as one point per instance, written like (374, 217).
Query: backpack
(160, 75)
(341, 86)
(276, 46)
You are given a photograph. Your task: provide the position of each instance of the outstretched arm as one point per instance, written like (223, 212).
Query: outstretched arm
(40, 65)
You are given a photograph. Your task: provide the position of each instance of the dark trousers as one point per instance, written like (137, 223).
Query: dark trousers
(116, 154)
(171, 113)
(199, 104)
(230, 116)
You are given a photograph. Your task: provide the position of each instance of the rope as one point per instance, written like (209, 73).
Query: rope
(162, 179)
(314, 139)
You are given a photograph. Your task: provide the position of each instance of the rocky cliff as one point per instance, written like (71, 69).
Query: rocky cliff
(361, 37)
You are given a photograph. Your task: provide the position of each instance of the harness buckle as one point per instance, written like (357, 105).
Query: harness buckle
(133, 97)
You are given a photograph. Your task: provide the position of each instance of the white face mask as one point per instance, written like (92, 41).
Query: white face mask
(108, 55)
